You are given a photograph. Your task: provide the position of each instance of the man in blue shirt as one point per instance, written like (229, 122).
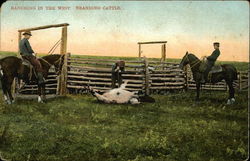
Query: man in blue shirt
(27, 53)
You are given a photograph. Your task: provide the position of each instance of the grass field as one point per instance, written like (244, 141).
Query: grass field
(80, 128)
(175, 128)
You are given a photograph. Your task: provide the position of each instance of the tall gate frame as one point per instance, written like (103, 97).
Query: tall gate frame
(63, 50)
(163, 48)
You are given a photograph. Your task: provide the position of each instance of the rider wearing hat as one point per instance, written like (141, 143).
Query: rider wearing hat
(210, 61)
(27, 53)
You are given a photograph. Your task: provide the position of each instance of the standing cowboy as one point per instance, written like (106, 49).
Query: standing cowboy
(210, 62)
(28, 54)
(117, 70)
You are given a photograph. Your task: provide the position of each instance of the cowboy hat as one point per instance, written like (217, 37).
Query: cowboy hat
(27, 33)
(217, 43)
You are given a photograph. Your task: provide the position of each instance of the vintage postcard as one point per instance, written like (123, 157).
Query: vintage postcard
(124, 80)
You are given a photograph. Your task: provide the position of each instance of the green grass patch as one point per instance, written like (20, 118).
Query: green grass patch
(79, 128)
(174, 128)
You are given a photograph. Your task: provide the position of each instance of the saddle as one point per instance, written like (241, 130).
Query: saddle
(30, 67)
(26, 63)
(216, 69)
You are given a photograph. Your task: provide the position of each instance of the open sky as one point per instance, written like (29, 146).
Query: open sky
(187, 26)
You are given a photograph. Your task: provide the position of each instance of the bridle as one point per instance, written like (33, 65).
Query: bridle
(59, 60)
(194, 64)
(59, 65)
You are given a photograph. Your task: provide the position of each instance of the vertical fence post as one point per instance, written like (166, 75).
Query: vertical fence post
(186, 77)
(14, 84)
(62, 80)
(139, 52)
(248, 83)
(66, 72)
(240, 81)
(19, 39)
(147, 76)
(63, 49)
(163, 52)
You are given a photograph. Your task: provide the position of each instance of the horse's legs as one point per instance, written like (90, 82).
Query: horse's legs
(197, 91)
(231, 98)
(5, 93)
(8, 83)
(41, 93)
(8, 91)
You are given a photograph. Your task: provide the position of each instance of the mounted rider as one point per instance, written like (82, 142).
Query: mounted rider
(210, 62)
(28, 54)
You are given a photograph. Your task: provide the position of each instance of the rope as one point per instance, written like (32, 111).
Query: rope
(195, 63)
(55, 46)
(45, 61)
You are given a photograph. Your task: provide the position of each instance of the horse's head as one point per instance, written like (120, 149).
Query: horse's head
(184, 61)
(56, 60)
(58, 64)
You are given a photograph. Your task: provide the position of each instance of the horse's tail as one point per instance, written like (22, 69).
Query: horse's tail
(232, 70)
(235, 76)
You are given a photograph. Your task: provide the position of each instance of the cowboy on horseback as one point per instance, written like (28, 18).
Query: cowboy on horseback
(210, 62)
(28, 54)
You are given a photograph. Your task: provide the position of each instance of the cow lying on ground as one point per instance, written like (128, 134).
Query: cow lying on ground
(121, 96)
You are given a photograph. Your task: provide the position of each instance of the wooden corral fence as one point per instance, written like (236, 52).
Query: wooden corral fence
(166, 76)
(96, 73)
(163, 48)
(243, 82)
(144, 76)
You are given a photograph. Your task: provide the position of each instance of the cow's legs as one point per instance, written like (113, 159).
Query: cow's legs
(102, 98)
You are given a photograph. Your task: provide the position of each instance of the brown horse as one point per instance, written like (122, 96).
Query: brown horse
(228, 73)
(10, 68)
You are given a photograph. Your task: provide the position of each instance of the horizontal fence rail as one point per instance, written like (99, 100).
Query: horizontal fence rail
(142, 75)
(51, 85)
(86, 73)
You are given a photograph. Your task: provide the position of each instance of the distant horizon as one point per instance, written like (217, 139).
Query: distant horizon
(124, 56)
